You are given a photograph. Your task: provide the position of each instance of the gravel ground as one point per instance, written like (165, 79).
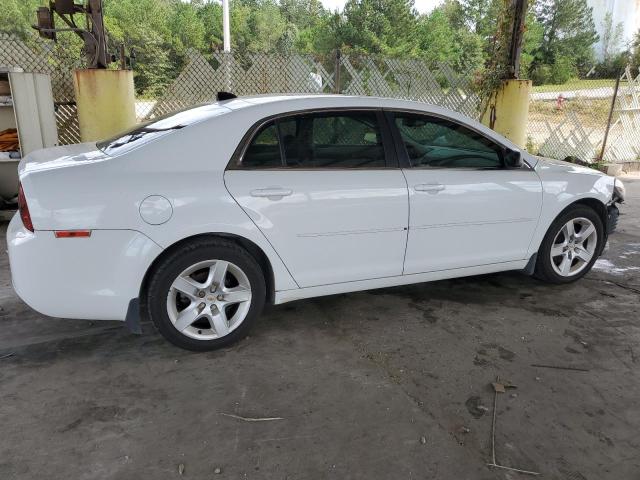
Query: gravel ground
(387, 384)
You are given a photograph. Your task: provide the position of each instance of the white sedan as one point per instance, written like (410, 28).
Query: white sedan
(195, 220)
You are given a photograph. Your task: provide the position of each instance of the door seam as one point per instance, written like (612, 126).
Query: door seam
(407, 228)
(224, 182)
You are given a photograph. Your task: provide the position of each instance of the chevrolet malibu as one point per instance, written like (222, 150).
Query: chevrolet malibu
(196, 219)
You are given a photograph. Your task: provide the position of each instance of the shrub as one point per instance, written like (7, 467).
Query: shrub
(540, 74)
(562, 70)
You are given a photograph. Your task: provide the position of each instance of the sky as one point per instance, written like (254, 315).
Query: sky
(423, 6)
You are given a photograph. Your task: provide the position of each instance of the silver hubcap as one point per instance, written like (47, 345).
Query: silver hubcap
(209, 300)
(573, 247)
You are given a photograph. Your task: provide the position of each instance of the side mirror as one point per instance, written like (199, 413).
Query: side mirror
(513, 158)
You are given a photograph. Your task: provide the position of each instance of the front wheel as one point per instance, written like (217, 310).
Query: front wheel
(571, 246)
(206, 295)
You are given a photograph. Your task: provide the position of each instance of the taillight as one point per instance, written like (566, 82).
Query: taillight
(24, 210)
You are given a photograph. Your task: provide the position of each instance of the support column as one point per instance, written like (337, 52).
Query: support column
(508, 110)
(106, 102)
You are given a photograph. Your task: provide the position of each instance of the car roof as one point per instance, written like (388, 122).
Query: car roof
(294, 102)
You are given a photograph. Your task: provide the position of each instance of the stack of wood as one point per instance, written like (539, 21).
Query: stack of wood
(9, 140)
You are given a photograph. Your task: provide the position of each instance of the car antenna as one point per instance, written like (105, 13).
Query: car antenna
(225, 96)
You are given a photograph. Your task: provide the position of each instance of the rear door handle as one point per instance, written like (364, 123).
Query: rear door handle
(272, 193)
(429, 187)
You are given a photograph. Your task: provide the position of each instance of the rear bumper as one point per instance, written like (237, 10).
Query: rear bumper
(92, 278)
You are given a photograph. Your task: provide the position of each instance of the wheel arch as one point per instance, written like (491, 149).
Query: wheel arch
(595, 204)
(254, 250)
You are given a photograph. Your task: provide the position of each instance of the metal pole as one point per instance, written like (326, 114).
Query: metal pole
(337, 85)
(226, 32)
(613, 104)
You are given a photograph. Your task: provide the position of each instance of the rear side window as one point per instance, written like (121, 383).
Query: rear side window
(437, 142)
(264, 149)
(319, 140)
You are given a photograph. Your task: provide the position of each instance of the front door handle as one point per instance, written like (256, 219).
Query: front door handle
(272, 193)
(429, 187)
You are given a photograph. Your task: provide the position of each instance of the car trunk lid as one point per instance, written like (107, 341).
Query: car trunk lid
(60, 157)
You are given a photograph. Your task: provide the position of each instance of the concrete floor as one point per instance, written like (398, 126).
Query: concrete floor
(358, 379)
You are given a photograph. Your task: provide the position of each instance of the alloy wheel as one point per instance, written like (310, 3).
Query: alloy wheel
(574, 247)
(209, 299)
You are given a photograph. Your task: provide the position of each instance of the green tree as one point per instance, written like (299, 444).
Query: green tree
(614, 60)
(267, 26)
(379, 26)
(611, 37)
(436, 37)
(143, 25)
(324, 36)
(569, 34)
(532, 39)
(482, 15)
(635, 51)
(302, 13)
(211, 17)
(444, 37)
(17, 16)
(186, 27)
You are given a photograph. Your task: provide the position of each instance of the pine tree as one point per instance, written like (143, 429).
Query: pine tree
(569, 33)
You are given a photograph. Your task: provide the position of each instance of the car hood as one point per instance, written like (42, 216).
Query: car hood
(60, 157)
(546, 164)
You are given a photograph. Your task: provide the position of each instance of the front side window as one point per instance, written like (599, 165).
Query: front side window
(318, 140)
(440, 143)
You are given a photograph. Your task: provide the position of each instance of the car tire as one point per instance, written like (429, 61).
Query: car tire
(178, 292)
(570, 259)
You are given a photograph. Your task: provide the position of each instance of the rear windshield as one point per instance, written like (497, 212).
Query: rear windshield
(145, 132)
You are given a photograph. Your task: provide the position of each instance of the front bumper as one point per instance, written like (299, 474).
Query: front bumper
(92, 278)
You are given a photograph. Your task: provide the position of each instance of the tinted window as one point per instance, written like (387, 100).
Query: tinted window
(264, 149)
(335, 140)
(322, 140)
(289, 134)
(435, 142)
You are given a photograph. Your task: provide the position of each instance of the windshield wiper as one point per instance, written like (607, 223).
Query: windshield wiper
(139, 133)
(166, 129)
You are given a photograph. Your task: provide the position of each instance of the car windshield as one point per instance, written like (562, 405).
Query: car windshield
(145, 132)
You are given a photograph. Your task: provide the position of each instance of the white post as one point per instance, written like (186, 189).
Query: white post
(226, 33)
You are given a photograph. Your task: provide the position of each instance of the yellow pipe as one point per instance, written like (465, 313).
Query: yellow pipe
(508, 110)
(106, 102)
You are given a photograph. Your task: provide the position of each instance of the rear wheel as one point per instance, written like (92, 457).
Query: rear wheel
(206, 295)
(571, 246)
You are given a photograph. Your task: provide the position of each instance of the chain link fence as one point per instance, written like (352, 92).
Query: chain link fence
(412, 79)
(577, 118)
(564, 120)
(573, 119)
(202, 77)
